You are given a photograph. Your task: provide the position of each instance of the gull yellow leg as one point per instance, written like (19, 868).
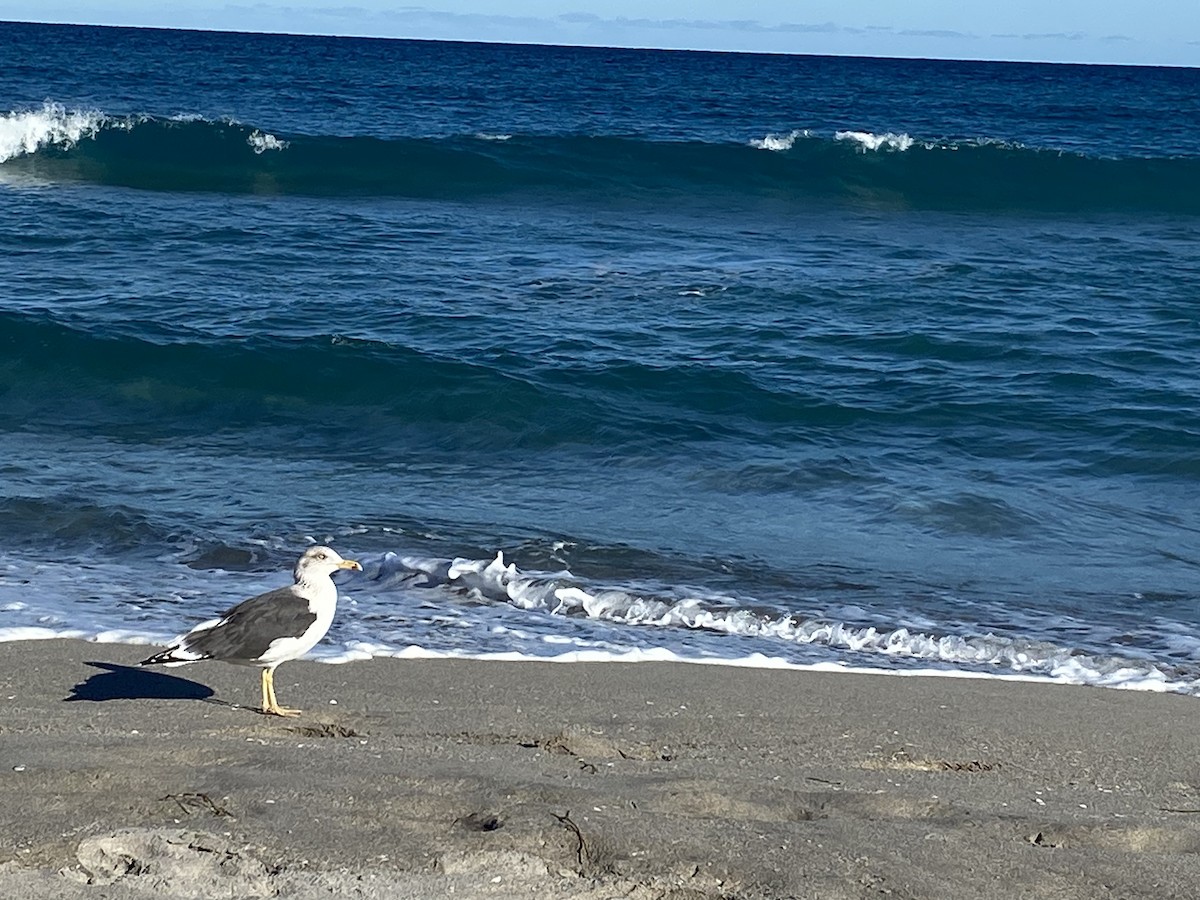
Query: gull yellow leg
(270, 704)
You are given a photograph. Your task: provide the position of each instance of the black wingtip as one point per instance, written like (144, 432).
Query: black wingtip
(167, 657)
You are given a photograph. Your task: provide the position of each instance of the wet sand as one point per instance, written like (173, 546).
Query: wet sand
(418, 778)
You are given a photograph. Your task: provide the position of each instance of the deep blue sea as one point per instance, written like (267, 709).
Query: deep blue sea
(596, 353)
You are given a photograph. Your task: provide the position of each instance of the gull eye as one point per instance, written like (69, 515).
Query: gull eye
(320, 556)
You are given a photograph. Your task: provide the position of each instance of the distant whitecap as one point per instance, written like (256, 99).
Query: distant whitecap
(874, 142)
(261, 142)
(780, 142)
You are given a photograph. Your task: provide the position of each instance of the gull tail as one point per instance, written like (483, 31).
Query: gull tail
(179, 653)
(176, 655)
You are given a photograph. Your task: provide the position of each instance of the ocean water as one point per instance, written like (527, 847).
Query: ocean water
(604, 354)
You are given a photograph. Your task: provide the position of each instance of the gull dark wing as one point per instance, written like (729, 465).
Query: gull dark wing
(246, 631)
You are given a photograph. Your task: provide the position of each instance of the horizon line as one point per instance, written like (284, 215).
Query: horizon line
(640, 48)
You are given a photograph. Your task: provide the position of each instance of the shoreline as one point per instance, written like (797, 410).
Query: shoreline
(412, 777)
(1155, 683)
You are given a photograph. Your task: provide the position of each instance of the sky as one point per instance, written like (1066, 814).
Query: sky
(1155, 32)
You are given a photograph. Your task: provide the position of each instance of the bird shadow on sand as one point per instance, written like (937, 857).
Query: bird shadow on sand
(119, 682)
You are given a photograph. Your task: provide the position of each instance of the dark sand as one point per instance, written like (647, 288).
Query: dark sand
(580, 781)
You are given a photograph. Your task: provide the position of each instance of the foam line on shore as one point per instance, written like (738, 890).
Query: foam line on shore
(358, 651)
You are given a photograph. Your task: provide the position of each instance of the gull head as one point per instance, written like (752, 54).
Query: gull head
(321, 561)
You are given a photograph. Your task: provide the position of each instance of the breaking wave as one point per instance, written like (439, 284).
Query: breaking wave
(762, 630)
(53, 144)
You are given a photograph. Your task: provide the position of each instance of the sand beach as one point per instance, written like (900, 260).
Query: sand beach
(432, 778)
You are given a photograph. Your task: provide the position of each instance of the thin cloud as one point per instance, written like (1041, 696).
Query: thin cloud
(413, 15)
(1045, 36)
(938, 33)
(580, 18)
(739, 25)
(399, 15)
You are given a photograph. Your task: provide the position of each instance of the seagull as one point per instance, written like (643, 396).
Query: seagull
(269, 629)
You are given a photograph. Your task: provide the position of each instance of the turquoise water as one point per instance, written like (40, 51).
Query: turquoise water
(866, 362)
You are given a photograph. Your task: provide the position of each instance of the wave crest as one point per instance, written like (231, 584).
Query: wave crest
(780, 142)
(867, 141)
(26, 132)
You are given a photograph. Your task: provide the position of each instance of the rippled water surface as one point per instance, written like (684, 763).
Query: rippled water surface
(604, 352)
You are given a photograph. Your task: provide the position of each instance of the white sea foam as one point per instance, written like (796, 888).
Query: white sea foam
(34, 633)
(874, 142)
(496, 580)
(779, 142)
(354, 651)
(262, 142)
(1073, 671)
(490, 609)
(26, 131)
(488, 136)
(865, 140)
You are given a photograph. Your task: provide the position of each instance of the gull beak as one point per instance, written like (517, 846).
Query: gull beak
(349, 564)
